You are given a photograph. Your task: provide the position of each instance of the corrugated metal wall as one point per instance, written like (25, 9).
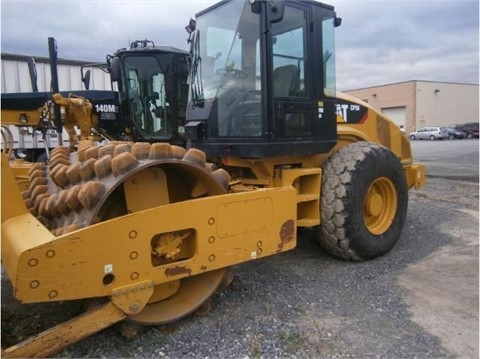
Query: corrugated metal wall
(16, 77)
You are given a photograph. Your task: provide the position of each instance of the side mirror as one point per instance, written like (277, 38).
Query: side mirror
(114, 69)
(190, 29)
(275, 9)
(86, 80)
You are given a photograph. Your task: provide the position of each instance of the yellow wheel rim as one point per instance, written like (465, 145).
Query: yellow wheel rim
(380, 205)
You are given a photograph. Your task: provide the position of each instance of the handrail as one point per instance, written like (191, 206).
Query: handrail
(7, 142)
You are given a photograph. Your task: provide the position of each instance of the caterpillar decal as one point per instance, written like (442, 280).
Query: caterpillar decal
(350, 112)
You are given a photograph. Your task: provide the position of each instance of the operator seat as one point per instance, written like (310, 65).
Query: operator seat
(286, 81)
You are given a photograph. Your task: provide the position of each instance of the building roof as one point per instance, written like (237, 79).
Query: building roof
(404, 82)
(40, 59)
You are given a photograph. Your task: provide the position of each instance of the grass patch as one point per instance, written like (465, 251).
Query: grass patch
(292, 342)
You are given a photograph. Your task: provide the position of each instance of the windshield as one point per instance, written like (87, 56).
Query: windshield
(147, 97)
(227, 61)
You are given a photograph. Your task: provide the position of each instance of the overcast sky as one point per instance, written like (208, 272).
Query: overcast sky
(379, 42)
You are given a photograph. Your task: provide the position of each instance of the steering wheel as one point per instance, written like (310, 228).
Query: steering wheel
(235, 73)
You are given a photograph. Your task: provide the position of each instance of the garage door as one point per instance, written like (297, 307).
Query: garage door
(396, 114)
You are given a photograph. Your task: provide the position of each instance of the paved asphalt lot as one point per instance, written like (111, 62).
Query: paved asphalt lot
(418, 301)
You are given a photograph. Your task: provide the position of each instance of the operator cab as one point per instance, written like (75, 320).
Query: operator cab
(153, 90)
(262, 79)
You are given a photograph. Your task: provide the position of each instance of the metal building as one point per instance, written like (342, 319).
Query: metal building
(16, 76)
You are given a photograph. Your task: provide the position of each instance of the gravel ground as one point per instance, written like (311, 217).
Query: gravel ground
(306, 304)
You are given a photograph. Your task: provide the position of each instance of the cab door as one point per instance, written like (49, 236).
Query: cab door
(292, 94)
(302, 73)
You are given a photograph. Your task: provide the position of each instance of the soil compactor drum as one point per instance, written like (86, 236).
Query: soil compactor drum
(271, 146)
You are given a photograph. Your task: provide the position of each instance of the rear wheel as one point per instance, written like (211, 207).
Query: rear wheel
(96, 184)
(363, 203)
(432, 138)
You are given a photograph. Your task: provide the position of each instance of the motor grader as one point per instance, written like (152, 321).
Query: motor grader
(147, 104)
(271, 147)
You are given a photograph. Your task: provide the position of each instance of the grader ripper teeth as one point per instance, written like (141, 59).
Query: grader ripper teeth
(146, 225)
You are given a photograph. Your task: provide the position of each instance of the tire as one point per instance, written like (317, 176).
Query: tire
(451, 137)
(363, 203)
(412, 137)
(432, 138)
(469, 135)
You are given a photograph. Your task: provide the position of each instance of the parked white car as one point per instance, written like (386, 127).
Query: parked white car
(430, 133)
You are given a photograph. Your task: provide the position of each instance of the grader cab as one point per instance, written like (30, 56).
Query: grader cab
(270, 147)
(146, 103)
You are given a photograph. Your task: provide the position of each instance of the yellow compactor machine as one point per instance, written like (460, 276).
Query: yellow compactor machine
(270, 146)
